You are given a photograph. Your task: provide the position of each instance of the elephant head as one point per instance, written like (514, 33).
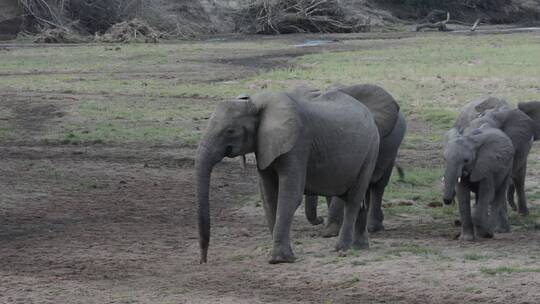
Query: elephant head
(474, 156)
(532, 109)
(476, 108)
(267, 124)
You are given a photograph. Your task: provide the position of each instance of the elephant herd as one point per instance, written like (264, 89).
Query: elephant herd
(341, 143)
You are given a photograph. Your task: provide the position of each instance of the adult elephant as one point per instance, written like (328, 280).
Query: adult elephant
(520, 125)
(392, 126)
(327, 145)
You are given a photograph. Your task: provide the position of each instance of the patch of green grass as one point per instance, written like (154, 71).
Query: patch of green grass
(254, 199)
(350, 282)
(441, 117)
(430, 76)
(420, 184)
(507, 269)
(530, 221)
(413, 249)
(474, 257)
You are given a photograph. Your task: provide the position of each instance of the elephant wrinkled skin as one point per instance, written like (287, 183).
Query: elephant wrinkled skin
(392, 126)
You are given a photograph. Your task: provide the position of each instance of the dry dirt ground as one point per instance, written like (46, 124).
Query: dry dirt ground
(117, 224)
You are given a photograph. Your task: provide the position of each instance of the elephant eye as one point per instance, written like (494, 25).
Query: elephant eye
(230, 131)
(466, 160)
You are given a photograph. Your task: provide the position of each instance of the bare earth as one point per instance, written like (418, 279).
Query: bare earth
(117, 224)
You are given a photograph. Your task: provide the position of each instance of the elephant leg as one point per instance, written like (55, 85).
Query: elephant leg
(464, 198)
(291, 188)
(376, 216)
(481, 220)
(501, 211)
(335, 217)
(361, 240)
(510, 197)
(268, 185)
(519, 183)
(310, 204)
(353, 231)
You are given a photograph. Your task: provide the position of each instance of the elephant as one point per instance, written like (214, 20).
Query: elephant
(519, 125)
(378, 101)
(479, 161)
(326, 145)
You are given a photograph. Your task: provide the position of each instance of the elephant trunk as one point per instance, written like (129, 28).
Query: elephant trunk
(451, 176)
(204, 163)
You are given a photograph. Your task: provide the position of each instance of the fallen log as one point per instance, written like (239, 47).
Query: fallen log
(441, 25)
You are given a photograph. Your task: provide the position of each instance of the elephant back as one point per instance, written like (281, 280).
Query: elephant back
(475, 108)
(381, 104)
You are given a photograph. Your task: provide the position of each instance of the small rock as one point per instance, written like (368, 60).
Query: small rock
(387, 205)
(406, 203)
(457, 223)
(537, 224)
(435, 204)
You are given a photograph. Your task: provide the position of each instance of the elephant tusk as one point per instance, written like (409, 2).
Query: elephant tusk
(459, 179)
(242, 160)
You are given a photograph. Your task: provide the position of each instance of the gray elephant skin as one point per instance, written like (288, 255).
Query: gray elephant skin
(520, 125)
(392, 131)
(478, 161)
(326, 145)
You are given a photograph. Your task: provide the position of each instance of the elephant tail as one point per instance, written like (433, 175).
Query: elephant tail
(400, 172)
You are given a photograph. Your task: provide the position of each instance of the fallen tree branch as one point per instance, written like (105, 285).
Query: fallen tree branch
(475, 25)
(441, 25)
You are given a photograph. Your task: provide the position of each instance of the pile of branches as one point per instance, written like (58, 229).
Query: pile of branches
(298, 16)
(135, 30)
(82, 16)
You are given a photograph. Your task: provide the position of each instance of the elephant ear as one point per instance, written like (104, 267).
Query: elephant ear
(305, 91)
(532, 109)
(517, 126)
(490, 103)
(279, 126)
(381, 104)
(494, 152)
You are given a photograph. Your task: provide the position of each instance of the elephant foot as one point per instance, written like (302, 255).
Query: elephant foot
(513, 206)
(361, 244)
(277, 259)
(331, 230)
(484, 234)
(375, 227)
(342, 247)
(467, 237)
(503, 228)
(282, 254)
(317, 221)
(523, 211)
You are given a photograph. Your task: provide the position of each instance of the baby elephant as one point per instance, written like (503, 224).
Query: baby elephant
(478, 161)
